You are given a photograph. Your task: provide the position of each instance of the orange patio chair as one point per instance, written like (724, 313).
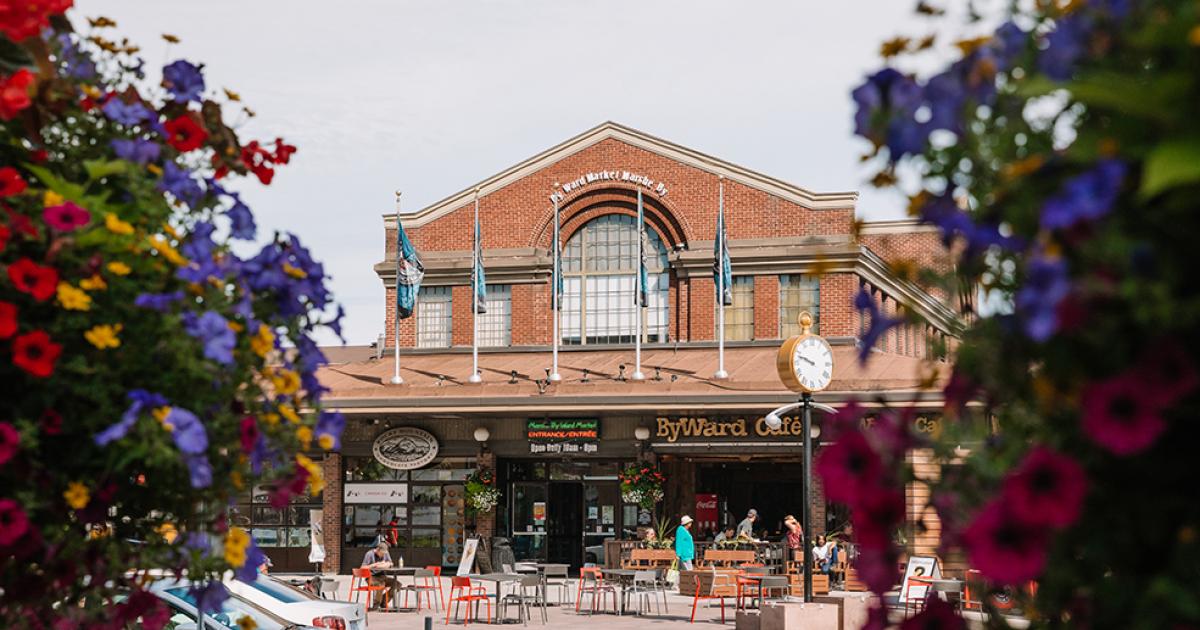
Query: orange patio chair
(360, 582)
(469, 594)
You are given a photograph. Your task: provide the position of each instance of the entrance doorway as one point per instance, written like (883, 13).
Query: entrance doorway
(774, 489)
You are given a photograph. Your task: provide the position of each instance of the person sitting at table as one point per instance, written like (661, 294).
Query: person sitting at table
(377, 559)
(726, 534)
(824, 553)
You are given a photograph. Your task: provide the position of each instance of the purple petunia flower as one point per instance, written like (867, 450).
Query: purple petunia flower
(77, 64)
(331, 423)
(895, 97)
(954, 222)
(138, 150)
(140, 400)
(1046, 285)
(184, 80)
(241, 220)
(180, 183)
(1065, 45)
(126, 114)
(1085, 197)
(187, 431)
(209, 597)
(160, 302)
(199, 470)
(879, 324)
(212, 329)
(197, 541)
(248, 572)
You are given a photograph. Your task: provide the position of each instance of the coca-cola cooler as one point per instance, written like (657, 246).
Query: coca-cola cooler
(706, 512)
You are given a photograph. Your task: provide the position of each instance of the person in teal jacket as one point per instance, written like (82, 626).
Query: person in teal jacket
(685, 549)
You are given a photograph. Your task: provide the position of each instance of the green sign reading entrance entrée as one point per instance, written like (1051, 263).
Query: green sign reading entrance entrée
(563, 436)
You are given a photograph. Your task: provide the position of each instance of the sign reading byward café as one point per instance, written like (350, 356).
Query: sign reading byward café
(563, 436)
(699, 427)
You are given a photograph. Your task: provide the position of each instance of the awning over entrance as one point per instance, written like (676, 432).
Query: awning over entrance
(594, 378)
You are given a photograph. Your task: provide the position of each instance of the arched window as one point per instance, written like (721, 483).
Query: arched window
(599, 279)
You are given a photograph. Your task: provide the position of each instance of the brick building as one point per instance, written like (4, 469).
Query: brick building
(792, 250)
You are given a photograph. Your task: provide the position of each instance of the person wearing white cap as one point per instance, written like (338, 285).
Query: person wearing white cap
(685, 549)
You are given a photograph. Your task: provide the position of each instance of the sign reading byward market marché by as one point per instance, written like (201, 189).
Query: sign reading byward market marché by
(688, 428)
(563, 436)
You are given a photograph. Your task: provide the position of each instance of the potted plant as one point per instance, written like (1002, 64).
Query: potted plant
(481, 490)
(642, 484)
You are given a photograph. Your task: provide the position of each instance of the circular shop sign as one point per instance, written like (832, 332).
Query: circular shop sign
(405, 448)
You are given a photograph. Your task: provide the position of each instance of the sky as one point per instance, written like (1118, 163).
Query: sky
(430, 96)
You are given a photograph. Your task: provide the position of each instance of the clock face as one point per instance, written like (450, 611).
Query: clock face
(812, 363)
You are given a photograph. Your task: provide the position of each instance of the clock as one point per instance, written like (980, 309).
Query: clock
(805, 362)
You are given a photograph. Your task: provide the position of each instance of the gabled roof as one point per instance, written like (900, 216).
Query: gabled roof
(633, 137)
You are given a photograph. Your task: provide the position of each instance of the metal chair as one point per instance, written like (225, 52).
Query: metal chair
(718, 584)
(360, 582)
(422, 583)
(437, 581)
(526, 593)
(329, 588)
(591, 580)
(556, 577)
(468, 594)
(645, 587)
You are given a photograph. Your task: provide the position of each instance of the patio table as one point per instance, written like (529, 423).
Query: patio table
(767, 581)
(497, 579)
(396, 572)
(624, 576)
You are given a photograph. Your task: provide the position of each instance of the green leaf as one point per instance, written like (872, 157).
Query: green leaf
(97, 169)
(1155, 100)
(13, 57)
(1172, 163)
(61, 186)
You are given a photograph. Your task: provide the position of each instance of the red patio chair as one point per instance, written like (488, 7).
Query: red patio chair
(360, 582)
(718, 581)
(470, 594)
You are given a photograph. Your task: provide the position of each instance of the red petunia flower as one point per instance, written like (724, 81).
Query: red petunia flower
(10, 442)
(13, 522)
(66, 217)
(14, 93)
(283, 151)
(258, 160)
(35, 353)
(1122, 415)
(938, 615)
(876, 513)
(8, 320)
(5, 234)
(1168, 370)
(10, 182)
(20, 224)
(51, 422)
(849, 469)
(36, 280)
(249, 434)
(38, 156)
(1003, 547)
(27, 18)
(1048, 488)
(185, 134)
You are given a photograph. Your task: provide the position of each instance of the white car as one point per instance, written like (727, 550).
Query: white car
(299, 606)
(174, 593)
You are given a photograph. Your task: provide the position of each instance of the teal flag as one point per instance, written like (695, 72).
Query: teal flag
(409, 273)
(477, 278)
(641, 297)
(722, 269)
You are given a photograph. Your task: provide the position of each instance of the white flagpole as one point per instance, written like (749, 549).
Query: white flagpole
(554, 376)
(637, 298)
(475, 253)
(396, 379)
(721, 374)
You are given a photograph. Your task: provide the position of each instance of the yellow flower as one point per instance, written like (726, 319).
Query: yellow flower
(289, 414)
(1194, 35)
(326, 441)
(286, 382)
(77, 495)
(234, 326)
(168, 532)
(271, 418)
(304, 434)
(294, 272)
(236, 541)
(262, 342)
(118, 268)
(170, 231)
(73, 299)
(52, 198)
(247, 623)
(160, 414)
(235, 478)
(116, 225)
(104, 336)
(316, 481)
(154, 168)
(95, 283)
(166, 250)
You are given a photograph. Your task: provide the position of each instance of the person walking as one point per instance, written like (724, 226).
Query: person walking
(685, 549)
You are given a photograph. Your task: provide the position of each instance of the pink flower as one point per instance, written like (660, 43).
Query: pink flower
(876, 514)
(938, 615)
(66, 217)
(1004, 548)
(10, 442)
(248, 434)
(1048, 488)
(1122, 414)
(849, 468)
(877, 568)
(1168, 370)
(13, 522)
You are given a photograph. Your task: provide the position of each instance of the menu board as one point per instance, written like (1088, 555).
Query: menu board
(453, 524)
(563, 435)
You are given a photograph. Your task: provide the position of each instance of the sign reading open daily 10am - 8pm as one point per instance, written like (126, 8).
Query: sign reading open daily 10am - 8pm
(563, 436)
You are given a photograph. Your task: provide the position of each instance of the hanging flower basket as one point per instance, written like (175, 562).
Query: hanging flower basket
(482, 493)
(642, 484)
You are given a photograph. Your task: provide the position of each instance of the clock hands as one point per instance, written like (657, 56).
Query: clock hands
(810, 361)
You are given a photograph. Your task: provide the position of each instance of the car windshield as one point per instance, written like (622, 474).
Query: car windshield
(280, 590)
(233, 611)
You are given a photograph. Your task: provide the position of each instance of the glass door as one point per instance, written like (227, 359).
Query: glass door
(601, 505)
(529, 518)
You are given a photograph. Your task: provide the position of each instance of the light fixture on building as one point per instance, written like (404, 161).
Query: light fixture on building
(512, 376)
(482, 434)
(621, 372)
(585, 375)
(641, 433)
(657, 373)
(773, 421)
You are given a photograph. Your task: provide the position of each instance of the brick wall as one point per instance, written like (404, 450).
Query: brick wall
(331, 519)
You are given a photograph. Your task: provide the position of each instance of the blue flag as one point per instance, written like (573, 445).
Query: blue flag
(409, 272)
(722, 269)
(477, 279)
(641, 297)
(558, 280)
